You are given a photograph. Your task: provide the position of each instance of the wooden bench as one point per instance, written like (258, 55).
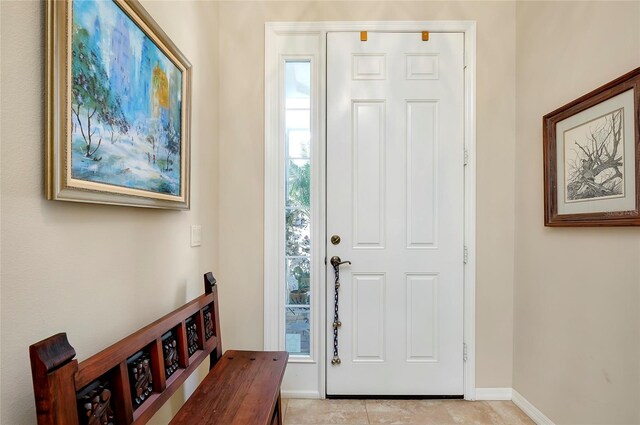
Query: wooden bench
(129, 381)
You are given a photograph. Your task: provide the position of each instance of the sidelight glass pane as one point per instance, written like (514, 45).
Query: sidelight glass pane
(297, 82)
(297, 207)
(298, 281)
(299, 183)
(298, 330)
(298, 119)
(299, 143)
(297, 233)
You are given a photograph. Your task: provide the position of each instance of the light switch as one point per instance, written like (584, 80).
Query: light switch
(196, 235)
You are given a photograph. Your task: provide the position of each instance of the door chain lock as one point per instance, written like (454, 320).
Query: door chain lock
(336, 262)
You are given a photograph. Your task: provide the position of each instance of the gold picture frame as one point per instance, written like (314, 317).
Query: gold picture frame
(118, 107)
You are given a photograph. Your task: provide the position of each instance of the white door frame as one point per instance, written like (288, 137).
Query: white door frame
(313, 34)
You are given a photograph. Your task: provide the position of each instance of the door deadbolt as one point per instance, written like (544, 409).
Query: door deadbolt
(335, 239)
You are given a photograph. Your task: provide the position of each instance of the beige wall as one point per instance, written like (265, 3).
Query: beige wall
(96, 272)
(242, 158)
(577, 290)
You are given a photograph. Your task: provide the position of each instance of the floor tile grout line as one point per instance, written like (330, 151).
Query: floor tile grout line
(366, 410)
(493, 410)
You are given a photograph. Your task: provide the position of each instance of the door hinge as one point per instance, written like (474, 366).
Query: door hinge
(325, 261)
(464, 351)
(465, 256)
(466, 157)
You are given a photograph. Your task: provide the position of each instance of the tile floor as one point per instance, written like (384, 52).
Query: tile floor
(400, 412)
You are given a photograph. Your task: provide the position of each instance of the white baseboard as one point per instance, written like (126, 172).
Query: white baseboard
(510, 394)
(532, 411)
(299, 394)
(494, 393)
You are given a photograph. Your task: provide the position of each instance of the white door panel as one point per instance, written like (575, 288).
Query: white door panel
(395, 197)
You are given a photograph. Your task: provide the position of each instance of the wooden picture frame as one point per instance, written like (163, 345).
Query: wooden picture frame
(118, 107)
(592, 157)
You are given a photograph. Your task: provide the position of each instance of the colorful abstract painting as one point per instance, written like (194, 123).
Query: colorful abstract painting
(126, 103)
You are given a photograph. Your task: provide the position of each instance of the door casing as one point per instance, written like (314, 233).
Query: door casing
(295, 32)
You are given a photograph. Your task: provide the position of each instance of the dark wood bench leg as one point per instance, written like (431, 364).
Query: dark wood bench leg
(277, 412)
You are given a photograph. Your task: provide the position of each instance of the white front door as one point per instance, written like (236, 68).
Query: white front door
(395, 193)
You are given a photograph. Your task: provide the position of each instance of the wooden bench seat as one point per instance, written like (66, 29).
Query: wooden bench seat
(129, 381)
(255, 378)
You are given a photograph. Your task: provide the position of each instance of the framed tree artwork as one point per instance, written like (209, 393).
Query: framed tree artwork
(592, 157)
(118, 97)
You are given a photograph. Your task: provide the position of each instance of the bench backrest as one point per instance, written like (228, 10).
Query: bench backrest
(129, 381)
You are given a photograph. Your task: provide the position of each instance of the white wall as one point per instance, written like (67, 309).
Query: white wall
(577, 290)
(96, 272)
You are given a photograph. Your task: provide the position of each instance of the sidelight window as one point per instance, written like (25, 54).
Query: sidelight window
(297, 208)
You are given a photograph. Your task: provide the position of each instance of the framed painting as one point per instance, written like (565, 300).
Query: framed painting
(118, 107)
(592, 157)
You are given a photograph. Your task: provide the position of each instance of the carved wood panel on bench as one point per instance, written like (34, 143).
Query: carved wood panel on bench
(129, 381)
